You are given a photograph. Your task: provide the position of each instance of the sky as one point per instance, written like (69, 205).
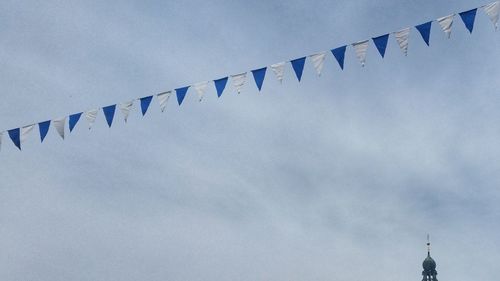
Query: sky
(338, 177)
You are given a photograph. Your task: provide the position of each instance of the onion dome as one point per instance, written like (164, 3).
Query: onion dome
(429, 264)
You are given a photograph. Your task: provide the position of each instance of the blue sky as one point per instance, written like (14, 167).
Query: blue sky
(338, 177)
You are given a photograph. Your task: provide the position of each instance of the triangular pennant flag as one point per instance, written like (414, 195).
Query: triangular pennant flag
(109, 113)
(258, 76)
(145, 102)
(425, 31)
(318, 61)
(201, 88)
(381, 43)
(446, 23)
(25, 132)
(339, 54)
(73, 119)
(15, 136)
(163, 99)
(360, 48)
(220, 84)
(279, 70)
(91, 115)
(298, 66)
(43, 127)
(402, 38)
(468, 17)
(59, 125)
(492, 11)
(181, 94)
(238, 81)
(126, 107)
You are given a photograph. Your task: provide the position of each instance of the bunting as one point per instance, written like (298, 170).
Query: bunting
(181, 94)
(15, 136)
(339, 54)
(318, 61)
(258, 76)
(446, 23)
(425, 31)
(19, 135)
(220, 85)
(239, 81)
(109, 113)
(298, 66)
(25, 131)
(91, 115)
(201, 88)
(73, 119)
(402, 38)
(279, 70)
(381, 43)
(492, 11)
(360, 48)
(163, 99)
(145, 102)
(125, 108)
(59, 125)
(43, 128)
(468, 18)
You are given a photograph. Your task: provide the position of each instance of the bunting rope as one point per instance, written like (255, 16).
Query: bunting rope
(19, 135)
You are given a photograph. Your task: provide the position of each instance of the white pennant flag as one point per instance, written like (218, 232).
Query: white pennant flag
(239, 80)
(59, 124)
(91, 116)
(25, 132)
(446, 23)
(125, 108)
(318, 61)
(163, 99)
(201, 89)
(402, 38)
(360, 48)
(279, 70)
(492, 10)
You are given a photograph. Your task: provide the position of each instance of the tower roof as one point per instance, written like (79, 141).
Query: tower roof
(429, 264)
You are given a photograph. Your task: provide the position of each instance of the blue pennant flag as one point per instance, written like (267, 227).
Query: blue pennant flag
(298, 66)
(181, 93)
(258, 76)
(109, 113)
(468, 18)
(145, 102)
(15, 136)
(339, 54)
(425, 31)
(381, 43)
(43, 127)
(220, 84)
(73, 119)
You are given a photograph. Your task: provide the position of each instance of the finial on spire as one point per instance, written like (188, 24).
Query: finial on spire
(428, 244)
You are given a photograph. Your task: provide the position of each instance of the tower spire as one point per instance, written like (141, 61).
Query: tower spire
(429, 265)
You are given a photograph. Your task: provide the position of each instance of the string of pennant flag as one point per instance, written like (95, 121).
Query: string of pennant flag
(19, 135)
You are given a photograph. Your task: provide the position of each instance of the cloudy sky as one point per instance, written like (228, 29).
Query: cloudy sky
(338, 178)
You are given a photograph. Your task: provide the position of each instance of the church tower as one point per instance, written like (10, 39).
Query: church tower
(429, 265)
